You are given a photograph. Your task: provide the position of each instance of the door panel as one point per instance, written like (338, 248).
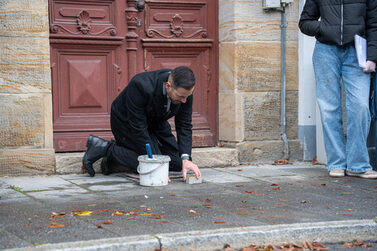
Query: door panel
(97, 46)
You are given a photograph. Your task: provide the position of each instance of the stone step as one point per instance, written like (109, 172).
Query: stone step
(204, 157)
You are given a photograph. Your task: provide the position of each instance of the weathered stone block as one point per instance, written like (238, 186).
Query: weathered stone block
(24, 65)
(22, 121)
(227, 67)
(247, 21)
(24, 18)
(262, 115)
(231, 114)
(15, 162)
(258, 66)
(268, 151)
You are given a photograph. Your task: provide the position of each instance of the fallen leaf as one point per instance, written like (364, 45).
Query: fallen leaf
(259, 194)
(157, 216)
(276, 188)
(348, 245)
(108, 222)
(164, 221)
(56, 225)
(282, 199)
(92, 205)
(315, 161)
(208, 200)
(84, 213)
(274, 184)
(99, 226)
(207, 206)
(281, 162)
(323, 185)
(219, 222)
(347, 214)
(297, 245)
(242, 213)
(239, 185)
(243, 201)
(171, 194)
(273, 219)
(194, 212)
(303, 201)
(249, 191)
(239, 170)
(83, 169)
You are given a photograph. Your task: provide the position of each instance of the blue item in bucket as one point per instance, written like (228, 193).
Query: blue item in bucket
(149, 151)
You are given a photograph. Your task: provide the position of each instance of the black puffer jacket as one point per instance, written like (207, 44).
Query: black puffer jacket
(340, 20)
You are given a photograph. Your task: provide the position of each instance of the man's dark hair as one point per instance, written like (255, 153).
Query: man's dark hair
(183, 76)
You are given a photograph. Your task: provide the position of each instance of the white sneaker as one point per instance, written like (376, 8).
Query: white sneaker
(366, 175)
(337, 173)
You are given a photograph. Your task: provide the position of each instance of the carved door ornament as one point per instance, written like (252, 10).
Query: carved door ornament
(84, 22)
(176, 25)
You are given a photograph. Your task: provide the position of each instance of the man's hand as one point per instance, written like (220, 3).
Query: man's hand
(370, 66)
(189, 165)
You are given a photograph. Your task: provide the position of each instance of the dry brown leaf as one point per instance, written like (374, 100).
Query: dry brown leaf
(219, 222)
(242, 213)
(249, 191)
(239, 170)
(276, 188)
(55, 225)
(282, 199)
(92, 205)
(83, 169)
(347, 214)
(157, 216)
(108, 222)
(243, 201)
(239, 185)
(99, 226)
(281, 162)
(164, 221)
(274, 184)
(273, 219)
(297, 245)
(208, 200)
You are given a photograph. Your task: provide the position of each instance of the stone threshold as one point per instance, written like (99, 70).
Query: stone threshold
(207, 157)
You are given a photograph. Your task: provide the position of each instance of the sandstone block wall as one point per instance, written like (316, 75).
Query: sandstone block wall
(249, 91)
(25, 88)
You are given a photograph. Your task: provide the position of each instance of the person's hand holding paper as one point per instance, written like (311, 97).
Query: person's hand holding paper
(361, 50)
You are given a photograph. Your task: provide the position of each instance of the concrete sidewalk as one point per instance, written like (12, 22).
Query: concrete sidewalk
(237, 206)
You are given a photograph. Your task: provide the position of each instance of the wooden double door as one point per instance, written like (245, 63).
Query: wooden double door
(97, 46)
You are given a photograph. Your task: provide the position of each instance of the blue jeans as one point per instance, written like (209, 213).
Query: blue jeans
(331, 63)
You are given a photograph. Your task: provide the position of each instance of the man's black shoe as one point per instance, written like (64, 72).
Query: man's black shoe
(96, 149)
(105, 166)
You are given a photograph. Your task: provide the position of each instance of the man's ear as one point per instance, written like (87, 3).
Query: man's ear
(168, 85)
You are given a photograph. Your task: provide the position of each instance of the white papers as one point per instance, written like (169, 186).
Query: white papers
(361, 50)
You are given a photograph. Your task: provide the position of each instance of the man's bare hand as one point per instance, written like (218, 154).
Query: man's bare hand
(188, 165)
(370, 66)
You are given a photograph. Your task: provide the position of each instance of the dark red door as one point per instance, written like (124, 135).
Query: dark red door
(97, 46)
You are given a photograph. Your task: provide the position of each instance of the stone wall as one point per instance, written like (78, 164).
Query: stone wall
(249, 91)
(25, 88)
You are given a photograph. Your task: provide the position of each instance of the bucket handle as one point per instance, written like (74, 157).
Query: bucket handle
(138, 169)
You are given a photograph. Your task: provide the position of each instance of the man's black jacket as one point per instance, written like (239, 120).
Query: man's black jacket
(340, 21)
(141, 109)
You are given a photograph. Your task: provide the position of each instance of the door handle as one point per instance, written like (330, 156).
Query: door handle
(140, 5)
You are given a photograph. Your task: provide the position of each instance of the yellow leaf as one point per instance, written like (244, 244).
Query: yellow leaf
(84, 213)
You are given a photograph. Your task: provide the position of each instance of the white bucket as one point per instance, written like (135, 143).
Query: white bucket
(153, 172)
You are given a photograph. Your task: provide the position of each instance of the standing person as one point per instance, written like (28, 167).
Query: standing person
(139, 115)
(334, 24)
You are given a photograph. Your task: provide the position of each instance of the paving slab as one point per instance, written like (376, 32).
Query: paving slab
(243, 202)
